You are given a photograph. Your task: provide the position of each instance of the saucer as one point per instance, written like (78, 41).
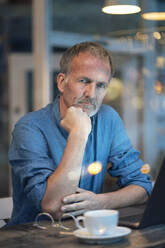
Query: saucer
(118, 233)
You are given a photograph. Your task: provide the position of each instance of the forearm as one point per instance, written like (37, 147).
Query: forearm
(127, 196)
(65, 179)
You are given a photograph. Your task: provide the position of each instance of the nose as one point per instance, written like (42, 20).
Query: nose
(90, 90)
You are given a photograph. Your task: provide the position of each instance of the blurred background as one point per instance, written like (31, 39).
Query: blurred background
(35, 33)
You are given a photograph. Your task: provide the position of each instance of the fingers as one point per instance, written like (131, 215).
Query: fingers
(81, 195)
(79, 190)
(76, 119)
(76, 108)
(74, 202)
(74, 198)
(81, 201)
(77, 206)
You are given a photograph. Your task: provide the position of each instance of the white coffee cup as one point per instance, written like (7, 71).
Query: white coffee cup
(98, 222)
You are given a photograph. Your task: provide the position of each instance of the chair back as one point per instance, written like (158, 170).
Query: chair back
(6, 206)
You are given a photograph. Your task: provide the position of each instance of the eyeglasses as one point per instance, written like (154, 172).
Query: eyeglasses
(61, 229)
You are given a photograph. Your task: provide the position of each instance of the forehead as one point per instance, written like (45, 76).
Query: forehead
(86, 61)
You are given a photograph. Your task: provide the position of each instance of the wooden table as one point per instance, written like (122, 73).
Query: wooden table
(31, 237)
(28, 236)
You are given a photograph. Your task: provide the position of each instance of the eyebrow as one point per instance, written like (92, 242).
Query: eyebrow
(91, 80)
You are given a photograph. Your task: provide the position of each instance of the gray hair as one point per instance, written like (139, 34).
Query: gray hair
(92, 47)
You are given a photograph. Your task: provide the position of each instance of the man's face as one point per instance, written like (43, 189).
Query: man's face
(85, 85)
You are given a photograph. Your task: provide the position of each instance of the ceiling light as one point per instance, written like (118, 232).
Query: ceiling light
(153, 11)
(121, 7)
(154, 16)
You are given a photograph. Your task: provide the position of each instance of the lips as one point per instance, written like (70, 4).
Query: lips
(84, 102)
(88, 101)
(86, 105)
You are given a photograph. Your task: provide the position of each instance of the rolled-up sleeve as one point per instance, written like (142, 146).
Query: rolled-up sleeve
(31, 165)
(125, 160)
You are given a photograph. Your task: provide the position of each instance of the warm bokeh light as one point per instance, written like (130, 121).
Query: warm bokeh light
(160, 62)
(157, 35)
(141, 36)
(95, 168)
(158, 87)
(145, 169)
(137, 102)
(115, 89)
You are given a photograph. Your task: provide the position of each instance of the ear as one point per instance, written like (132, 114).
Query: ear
(61, 81)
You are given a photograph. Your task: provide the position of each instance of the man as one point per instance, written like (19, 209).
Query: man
(53, 147)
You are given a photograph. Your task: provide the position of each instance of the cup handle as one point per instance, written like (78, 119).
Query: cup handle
(77, 222)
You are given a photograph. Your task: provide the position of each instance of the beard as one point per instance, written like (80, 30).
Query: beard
(88, 105)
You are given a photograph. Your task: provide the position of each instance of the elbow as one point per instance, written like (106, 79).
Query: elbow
(144, 198)
(52, 208)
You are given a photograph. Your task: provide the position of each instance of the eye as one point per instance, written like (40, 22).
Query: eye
(101, 85)
(84, 80)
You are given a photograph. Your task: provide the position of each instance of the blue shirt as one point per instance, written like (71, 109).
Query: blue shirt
(37, 147)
